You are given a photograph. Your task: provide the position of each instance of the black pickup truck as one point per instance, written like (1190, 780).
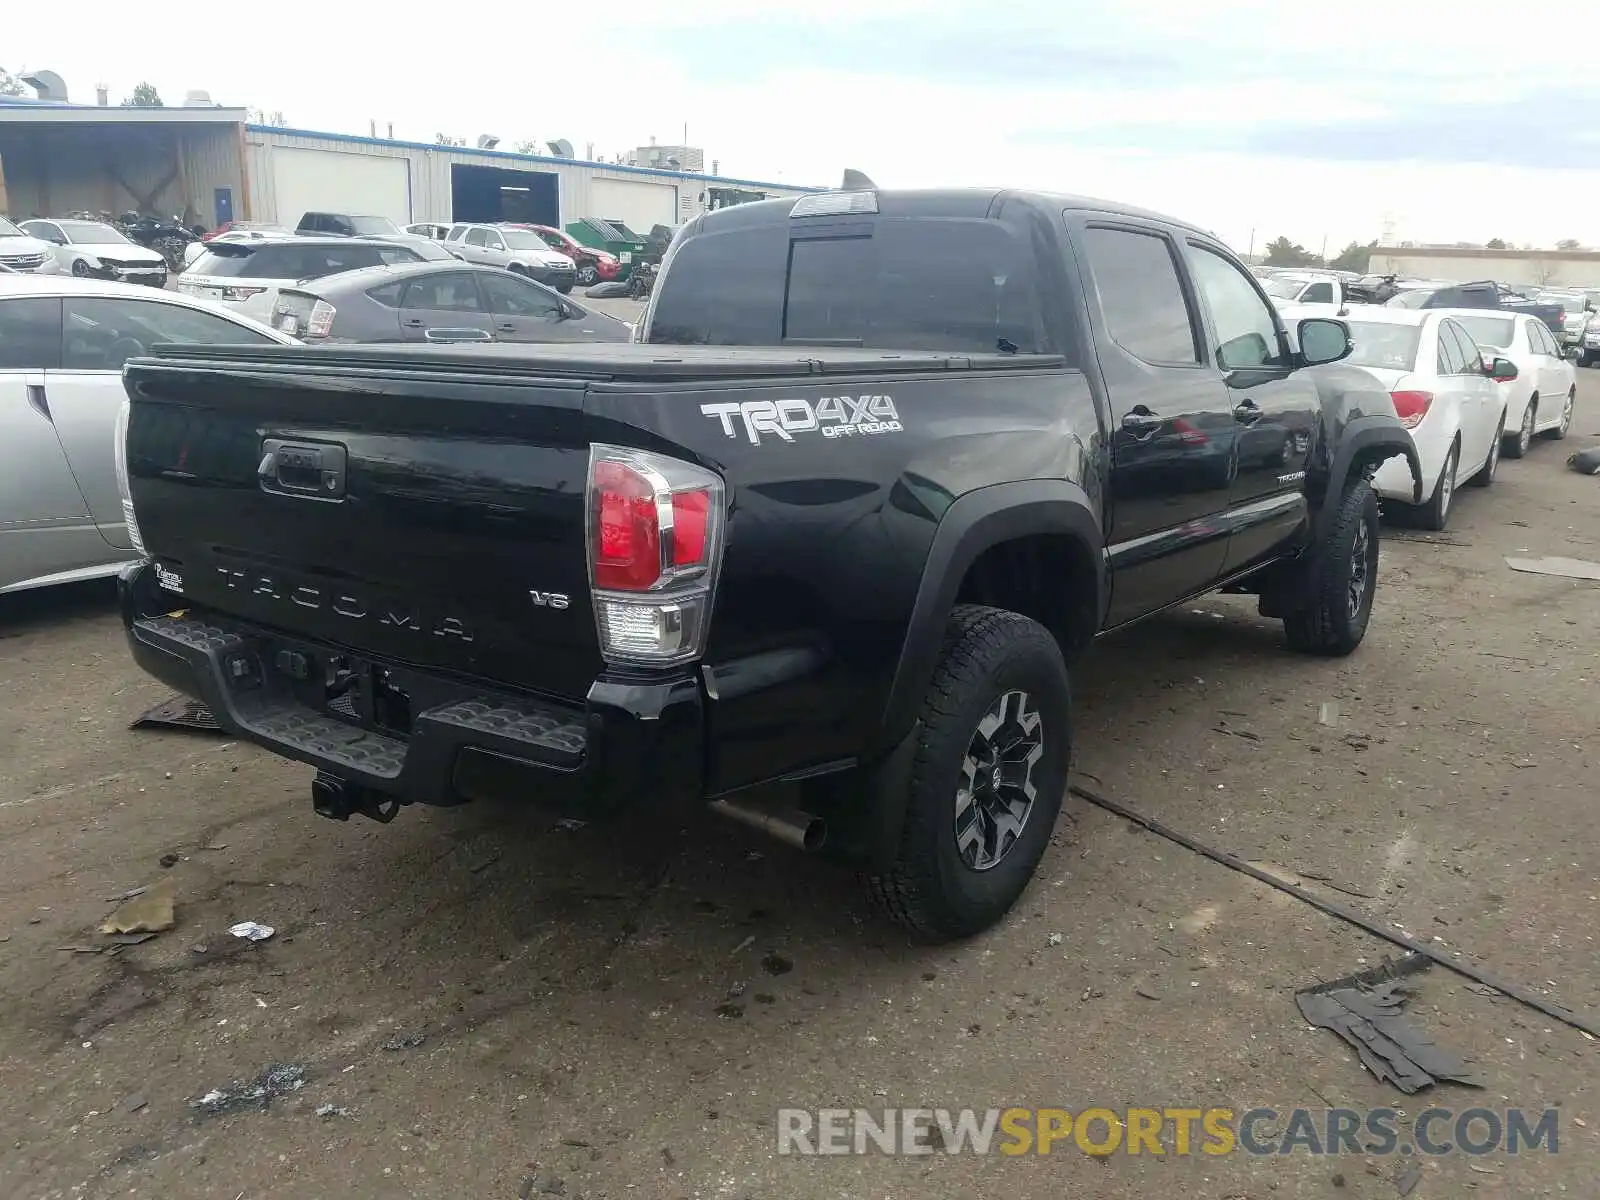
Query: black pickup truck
(819, 553)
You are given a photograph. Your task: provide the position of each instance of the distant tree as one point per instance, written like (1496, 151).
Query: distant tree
(528, 146)
(1281, 252)
(11, 84)
(444, 139)
(1496, 244)
(144, 96)
(1569, 244)
(1354, 257)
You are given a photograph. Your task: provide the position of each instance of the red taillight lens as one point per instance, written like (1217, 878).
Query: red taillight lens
(689, 513)
(627, 542)
(1411, 407)
(655, 544)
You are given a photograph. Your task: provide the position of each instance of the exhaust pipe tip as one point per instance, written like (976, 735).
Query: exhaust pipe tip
(791, 826)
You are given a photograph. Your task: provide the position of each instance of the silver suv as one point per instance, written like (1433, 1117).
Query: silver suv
(514, 248)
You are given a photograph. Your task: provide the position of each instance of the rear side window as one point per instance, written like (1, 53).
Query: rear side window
(1320, 292)
(30, 335)
(1450, 361)
(453, 292)
(893, 283)
(389, 294)
(221, 266)
(1140, 296)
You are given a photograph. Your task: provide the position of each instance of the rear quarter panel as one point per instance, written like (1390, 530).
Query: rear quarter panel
(829, 536)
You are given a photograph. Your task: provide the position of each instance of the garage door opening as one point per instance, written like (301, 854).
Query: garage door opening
(498, 194)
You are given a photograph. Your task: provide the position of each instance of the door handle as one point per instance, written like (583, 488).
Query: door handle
(1246, 412)
(37, 401)
(415, 323)
(506, 327)
(1141, 424)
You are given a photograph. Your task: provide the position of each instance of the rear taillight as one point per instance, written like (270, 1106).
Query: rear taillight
(320, 323)
(1411, 407)
(654, 538)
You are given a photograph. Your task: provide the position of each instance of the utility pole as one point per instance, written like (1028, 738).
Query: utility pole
(1250, 255)
(1324, 255)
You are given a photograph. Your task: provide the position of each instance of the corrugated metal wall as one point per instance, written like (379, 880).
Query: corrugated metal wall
(51, 171)
(431, 179)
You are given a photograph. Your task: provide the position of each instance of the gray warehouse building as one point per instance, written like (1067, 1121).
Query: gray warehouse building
(208, 165)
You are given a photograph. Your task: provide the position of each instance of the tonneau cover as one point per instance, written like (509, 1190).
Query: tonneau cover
(605, 361)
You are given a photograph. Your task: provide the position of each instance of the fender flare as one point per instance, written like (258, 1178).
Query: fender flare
(974, 523)
(1366, 437)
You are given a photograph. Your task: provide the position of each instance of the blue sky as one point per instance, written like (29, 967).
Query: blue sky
(1328, 121)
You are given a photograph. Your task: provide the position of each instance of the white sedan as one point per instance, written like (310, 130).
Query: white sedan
(1540, 399)
(95, 250)
(1454, 405)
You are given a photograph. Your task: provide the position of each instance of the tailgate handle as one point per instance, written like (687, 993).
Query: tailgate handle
(313, 470)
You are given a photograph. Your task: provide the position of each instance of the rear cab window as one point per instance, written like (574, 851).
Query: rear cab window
(890, 281)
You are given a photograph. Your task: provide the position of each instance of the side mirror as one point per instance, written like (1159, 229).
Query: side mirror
(1323, 340)
(1502, 370)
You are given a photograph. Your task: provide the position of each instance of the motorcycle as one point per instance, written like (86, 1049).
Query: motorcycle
(642, 280)
(168, 237)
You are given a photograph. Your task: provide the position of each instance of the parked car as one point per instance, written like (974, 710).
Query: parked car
(1454, 405)
(437, 303)
(228, 227)
(594, 265)
(22, 252)
(248, 274)
(514, 248)
(432, 230)
(783, 557)
(95, 250)
(63, 342)
(255, 233)
(1541, 397)
(1576, 315)
(1303, 288)
(327, 224)
(1484, 293)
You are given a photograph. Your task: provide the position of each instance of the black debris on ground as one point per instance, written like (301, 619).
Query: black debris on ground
(179, 712)
(1364, 1009)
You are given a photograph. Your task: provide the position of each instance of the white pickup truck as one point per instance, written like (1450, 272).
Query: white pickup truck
(1315, 288)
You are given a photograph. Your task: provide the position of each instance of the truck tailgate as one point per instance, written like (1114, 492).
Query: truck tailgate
(435, 519)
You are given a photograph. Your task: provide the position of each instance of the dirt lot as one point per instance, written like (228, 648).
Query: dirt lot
(507, 1007)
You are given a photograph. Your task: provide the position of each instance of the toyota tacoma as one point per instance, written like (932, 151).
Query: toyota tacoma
(819, 552)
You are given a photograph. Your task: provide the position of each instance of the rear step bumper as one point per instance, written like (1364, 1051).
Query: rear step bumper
(461, 740)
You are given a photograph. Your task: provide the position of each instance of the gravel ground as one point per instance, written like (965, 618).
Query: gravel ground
(502, 1006)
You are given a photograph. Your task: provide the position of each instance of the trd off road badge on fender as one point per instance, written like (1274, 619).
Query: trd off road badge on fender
(832, 416)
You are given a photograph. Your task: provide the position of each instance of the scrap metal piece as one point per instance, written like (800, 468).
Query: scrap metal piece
(150, 911)
(1364, 1010)
(179, 712)
(1562, 568)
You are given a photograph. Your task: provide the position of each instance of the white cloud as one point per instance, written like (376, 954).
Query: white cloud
(521, 74)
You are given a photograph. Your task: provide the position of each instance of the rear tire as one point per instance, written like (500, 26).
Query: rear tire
(995, 725)
(1436, 512)
(1517, 445)
(1485, 475)
(588, 276)
(1561, 430)
(1340, 579)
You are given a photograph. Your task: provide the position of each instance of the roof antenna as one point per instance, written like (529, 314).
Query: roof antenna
(855, 181)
